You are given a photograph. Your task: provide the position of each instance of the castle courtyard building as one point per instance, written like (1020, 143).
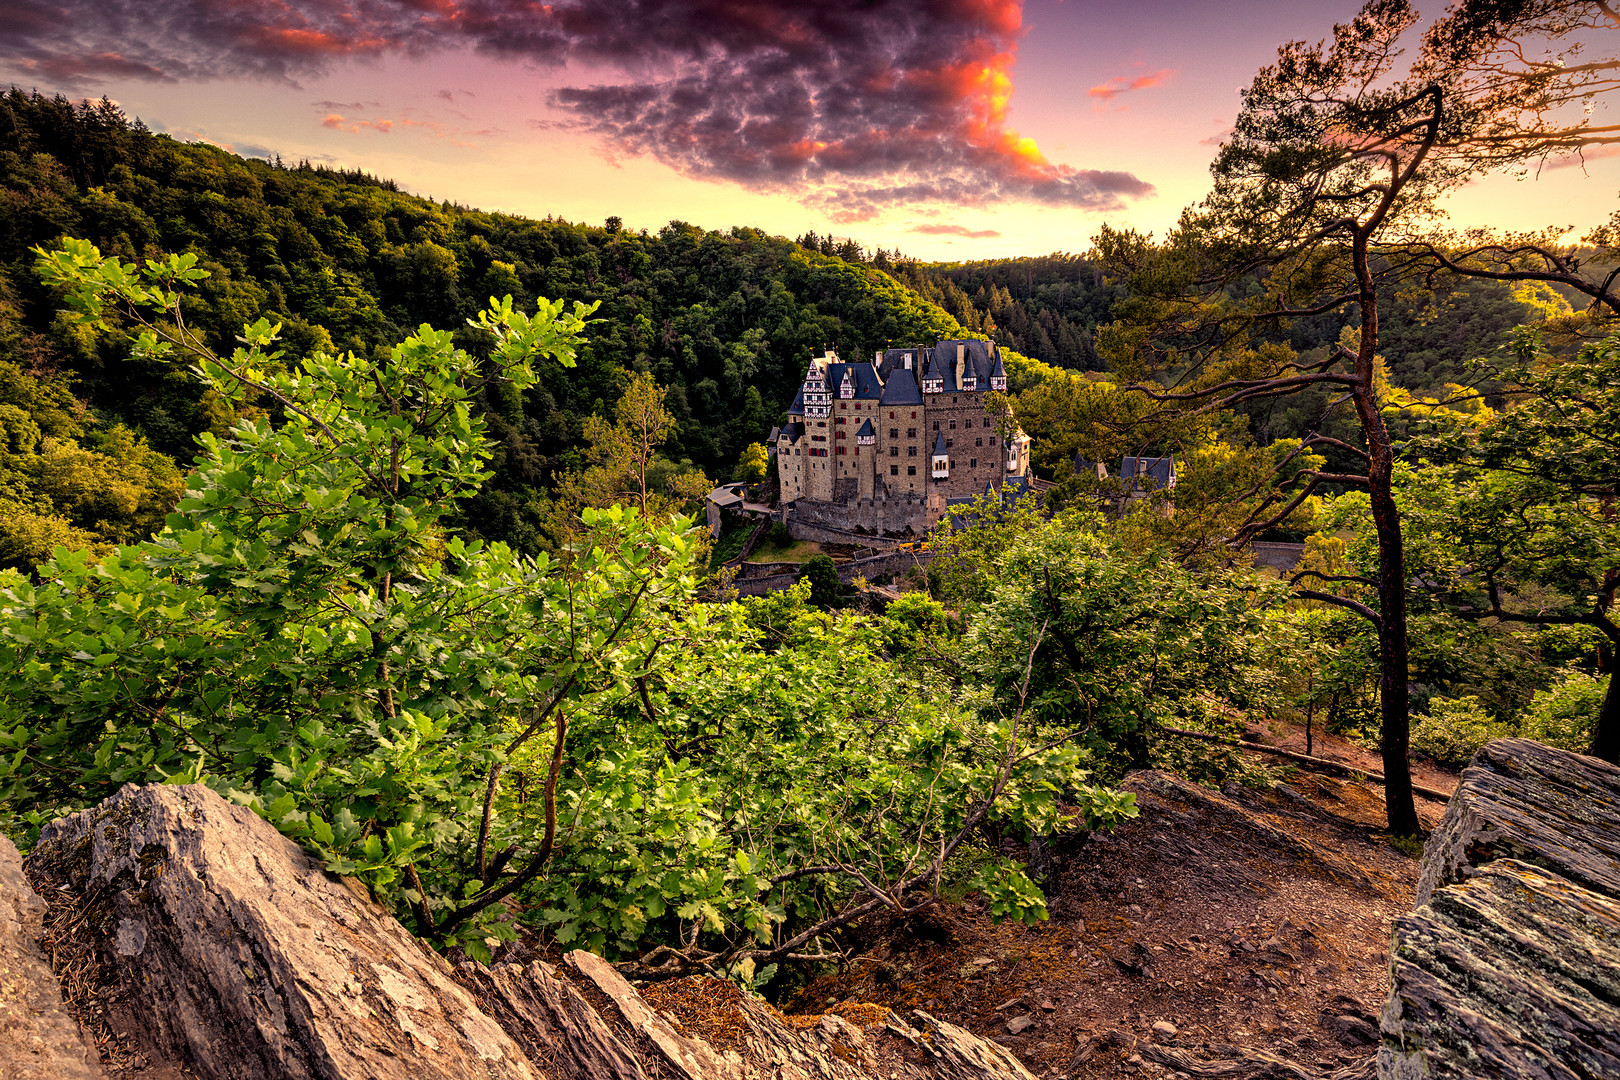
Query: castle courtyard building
(886, 446)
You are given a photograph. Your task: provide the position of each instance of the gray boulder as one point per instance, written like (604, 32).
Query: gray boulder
(39, 1038)
(1510, 964)
(222, 951)
(228, 951)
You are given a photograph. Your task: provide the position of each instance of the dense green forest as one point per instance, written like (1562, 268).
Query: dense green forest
(1050, 306)
(724, 322)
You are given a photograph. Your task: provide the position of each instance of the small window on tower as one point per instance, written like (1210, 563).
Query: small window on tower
(953, 425)
(973, 463)
(911, 470)
(979, 441)
(894, 451)
(911, 433)
(894, 433)
(936, 425)
(894, 470)
(911, 451)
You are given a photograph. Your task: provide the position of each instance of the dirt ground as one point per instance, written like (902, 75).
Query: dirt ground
(1251, 919)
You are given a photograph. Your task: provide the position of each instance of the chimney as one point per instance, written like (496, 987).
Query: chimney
(908, 361)
(877, 357)
(961, 357)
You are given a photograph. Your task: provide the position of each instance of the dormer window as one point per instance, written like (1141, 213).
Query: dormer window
(998, 382)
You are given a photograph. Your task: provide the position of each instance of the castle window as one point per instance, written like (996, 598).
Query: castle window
(891, 414)
(973, 463)
(978, 442)
(914, 414)
(936, 425)
(911, 451)
(894, 433)
(840, 420)
(821, 423)
(992, 440)
(969, 421)
(911, 433)
(894, 451)
(894, 470)
(911, 470)
(950, 442)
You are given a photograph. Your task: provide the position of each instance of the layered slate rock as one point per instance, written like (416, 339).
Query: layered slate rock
(39, 1038)
(224, 949)
(1510, 964)
(218, 949)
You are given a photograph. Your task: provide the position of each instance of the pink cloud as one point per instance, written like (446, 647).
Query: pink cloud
(956, 230)
(1124, 84)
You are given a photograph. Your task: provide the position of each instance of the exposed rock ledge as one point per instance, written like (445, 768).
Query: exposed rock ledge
(215, 948)
(1510, 964)
(218, 949)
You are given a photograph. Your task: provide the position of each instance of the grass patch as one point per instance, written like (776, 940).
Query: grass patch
(730, 544)
(798, 551)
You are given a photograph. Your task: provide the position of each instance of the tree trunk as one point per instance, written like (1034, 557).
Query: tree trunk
(1395, 730)
(1606, 736)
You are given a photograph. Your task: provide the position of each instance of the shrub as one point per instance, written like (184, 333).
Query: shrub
(1455, 729)
(822, 574)
(1565, 714)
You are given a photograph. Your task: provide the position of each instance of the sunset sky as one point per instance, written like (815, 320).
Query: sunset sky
(951, 130)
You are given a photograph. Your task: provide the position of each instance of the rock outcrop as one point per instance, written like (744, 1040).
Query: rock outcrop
(216, 948)
(39, 1039)
(1510, 964)
(223, 948)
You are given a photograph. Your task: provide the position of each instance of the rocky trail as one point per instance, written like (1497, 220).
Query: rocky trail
(1258, 920)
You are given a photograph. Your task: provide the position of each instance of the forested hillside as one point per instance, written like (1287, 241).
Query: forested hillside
(1050, 307)
(344, 260)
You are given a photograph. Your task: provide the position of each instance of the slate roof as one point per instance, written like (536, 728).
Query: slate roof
(939, 444)
(902, 388)
(797, 408)
(866, 431)
(1084, 466)
(793, 432)
(868, 387)
(1147, 473)
(983, 358)
(894, 360)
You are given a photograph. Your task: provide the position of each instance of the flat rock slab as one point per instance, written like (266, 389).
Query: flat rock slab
(1521, 800)
(1514, 973)
(39, 1038)
(223, 949)
(1509, 966)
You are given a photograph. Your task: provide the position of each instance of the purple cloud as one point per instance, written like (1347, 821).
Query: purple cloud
(864, 104)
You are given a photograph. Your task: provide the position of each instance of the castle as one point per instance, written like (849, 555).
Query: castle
(886, 446)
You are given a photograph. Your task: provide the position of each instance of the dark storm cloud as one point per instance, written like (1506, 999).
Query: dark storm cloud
(863, 103)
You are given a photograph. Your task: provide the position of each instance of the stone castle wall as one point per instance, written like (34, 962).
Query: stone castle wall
(860, 517)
